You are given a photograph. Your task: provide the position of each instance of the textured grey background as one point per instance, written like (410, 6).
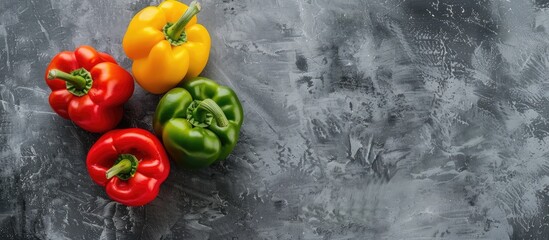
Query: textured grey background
(364, 120)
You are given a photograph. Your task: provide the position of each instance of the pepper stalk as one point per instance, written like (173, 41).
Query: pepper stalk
(201, 113)
(78, 82)
(175, 33)
(125, 167)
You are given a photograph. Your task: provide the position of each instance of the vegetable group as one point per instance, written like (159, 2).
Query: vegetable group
(89, 88)
(130, 163)
(199, 123)
(166, 45)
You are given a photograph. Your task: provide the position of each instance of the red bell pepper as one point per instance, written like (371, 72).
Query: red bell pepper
(89, 88)
(130, 163)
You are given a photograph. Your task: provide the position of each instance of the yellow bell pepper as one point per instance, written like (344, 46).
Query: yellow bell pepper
(166, 45)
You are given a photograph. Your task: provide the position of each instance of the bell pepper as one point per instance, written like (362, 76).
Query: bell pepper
(89, 88)
(199, 123)
(166, 45)
(130, 163)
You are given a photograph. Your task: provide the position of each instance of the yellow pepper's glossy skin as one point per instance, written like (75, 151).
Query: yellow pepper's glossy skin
(158, 65)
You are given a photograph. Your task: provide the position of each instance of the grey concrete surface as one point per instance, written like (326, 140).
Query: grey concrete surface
(397, 119)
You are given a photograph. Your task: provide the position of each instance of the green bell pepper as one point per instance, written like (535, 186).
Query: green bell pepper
(199, 123)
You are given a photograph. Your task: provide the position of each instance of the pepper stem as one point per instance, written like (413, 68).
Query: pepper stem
(77, 81)
(210, 106)
(175, 31)
(200, 113)
(125, 167)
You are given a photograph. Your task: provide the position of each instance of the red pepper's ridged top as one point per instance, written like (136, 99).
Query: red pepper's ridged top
(101, 108)
(152, 170)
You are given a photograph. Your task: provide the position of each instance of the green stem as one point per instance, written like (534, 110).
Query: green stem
(124, 166)
(174, 32)
(212, 107)
(77, 81)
